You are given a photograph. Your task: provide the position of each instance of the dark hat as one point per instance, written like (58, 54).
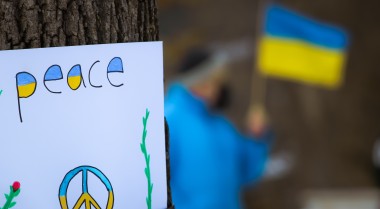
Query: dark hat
(194, 58)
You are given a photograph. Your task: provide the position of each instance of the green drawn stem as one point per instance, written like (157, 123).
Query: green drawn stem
(12, 194)
(1, 91)
(147, 161)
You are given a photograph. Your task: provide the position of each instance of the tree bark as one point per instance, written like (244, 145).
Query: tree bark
(48, 23)
(52, 23)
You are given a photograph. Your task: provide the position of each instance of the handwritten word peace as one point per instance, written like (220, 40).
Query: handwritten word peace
(27, 83)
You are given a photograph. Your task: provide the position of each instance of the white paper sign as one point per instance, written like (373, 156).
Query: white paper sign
(72, 127)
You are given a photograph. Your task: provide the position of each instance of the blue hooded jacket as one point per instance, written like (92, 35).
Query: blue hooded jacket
(210, 160)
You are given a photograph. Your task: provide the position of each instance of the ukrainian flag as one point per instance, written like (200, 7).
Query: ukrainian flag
(298, 48)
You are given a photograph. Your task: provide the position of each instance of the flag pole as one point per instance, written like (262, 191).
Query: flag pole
(257, 106)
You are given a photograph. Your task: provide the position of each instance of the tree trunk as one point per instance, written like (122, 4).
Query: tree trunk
(48, 23)
(51, 23)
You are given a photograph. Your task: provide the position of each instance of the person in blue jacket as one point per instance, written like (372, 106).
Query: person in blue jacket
(210, 160)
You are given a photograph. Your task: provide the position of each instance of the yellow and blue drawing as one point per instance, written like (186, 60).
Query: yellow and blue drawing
(26, 84)
(298, 48)
(85, 198)
(74, 77)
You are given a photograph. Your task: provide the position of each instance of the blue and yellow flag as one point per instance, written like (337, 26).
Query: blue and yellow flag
(298, 48)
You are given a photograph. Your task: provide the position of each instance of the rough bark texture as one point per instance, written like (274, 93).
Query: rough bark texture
(47, 23)
(51, 23)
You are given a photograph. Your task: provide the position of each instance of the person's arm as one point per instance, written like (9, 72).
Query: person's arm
(251, 152)
(255, 150)
(255, 154)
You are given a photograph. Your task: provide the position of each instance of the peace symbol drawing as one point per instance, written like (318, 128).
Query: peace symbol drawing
(86, 198)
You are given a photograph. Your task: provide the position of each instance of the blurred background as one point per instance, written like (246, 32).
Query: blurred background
(330, 134)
